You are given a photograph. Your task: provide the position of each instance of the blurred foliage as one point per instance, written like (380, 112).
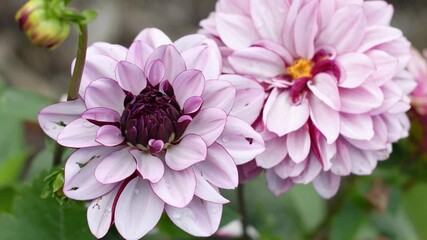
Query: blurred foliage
(389, 204)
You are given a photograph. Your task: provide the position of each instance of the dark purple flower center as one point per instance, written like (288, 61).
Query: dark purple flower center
(151, 116)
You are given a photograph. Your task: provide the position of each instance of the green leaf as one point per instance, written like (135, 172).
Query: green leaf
(416, 209)
(7, 195)
(347, 222)
(89, 16)
(33, 218)
(21, 104)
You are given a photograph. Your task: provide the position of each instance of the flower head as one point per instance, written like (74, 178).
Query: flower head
(156, 128)
(334, 72)
(41, 26)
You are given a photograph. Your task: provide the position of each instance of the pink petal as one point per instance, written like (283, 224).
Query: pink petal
(324, 86)
(156, 72)
(298, 144)
(378, 12)
(277, 185)
(327, 184)
(249, 100)
(190, 150)
(275, 151)
(54, 118)
(357, 126)
(284, 116)
(100, 213)
(190, 41)
(207, 192)
(138, 53)
(114, 51)
(386, 66)
(235, 31)
(105, 115)
(288, 168)
(205, 58)
(325, 119)
(276, 48)
(105, 93)
(351, 98)
(116, 167)
(305, 30)
(357, 67)
(109, 135)
(341, 164)
(96, 66)
(377, 35)
(130, 77)
(219, 168)
(80, 182)
(241, 140)
(362, 162)
(268, 17)
(150, 167)
(199, 218)
(192, 105)
(176, 188)
(346, 31)
(219, 94)
(138, 210)
(153, 37)
(288, 39)
(209, 123)
(79, 133)
(188, 84)
(312, 169)
(257, 61)
(171, 59)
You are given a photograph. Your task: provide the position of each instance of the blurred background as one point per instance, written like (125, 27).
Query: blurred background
(391, 204)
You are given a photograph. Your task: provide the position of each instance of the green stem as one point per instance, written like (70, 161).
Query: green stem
(73, 92)
(242, 211)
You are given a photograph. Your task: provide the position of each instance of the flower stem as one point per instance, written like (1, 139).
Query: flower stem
(242, 211)
(73, 91)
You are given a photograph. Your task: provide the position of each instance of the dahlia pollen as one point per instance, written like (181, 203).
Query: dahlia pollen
(302, 68)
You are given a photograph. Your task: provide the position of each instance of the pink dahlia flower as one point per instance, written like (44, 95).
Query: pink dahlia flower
(156, 128)
(418, 68)
(334, 72)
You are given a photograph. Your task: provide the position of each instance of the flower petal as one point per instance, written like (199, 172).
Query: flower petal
(114, 51)
(155, 72)
(204, 57)
(190, 150)
(257, 61)
(219, 168)
(268, 17)
(357, 126)
(153, 37)
(138, 53)
(324, 86)
(235, 31)
(209, 123)
(171, 59)
(79, 133)
(138, 210)
(327, 184)
(116, 167)
(207, 192)
(284, 116)
(298, 144)
(188, 84)
(377, 35)
(277, 185)
(176, 188)
(192, 105)
(199, 218)
(325, 119)
(96, 66)
(370, 93)
(357, 67)
(100, 213)
(150, 167)
(80, 182)
(109, 135)
(305, 30)
(241, 140)
(311, 170)
(219, 94)
(105, 93)
(275, 151)
(54, 118)
(104, 115)
(130, 77)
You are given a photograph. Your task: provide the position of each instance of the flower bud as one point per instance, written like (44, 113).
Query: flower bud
(42, 27)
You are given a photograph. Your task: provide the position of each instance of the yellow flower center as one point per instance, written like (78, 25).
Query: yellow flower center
(302, 68)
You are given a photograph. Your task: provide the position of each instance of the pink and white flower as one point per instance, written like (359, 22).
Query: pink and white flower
(156, 128)
(334, 72)
(418, 68)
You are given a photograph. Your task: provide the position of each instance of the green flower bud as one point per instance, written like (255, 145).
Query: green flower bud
(43, 28)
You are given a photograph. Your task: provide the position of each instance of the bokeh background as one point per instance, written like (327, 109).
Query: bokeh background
(391, 204)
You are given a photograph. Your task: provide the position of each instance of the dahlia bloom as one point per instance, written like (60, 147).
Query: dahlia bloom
(418, 68)
(156, 128)
(334, 72)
